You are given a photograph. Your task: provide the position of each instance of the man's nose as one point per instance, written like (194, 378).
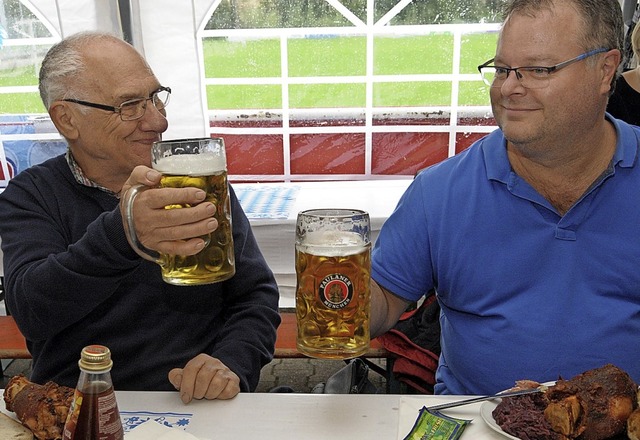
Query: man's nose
(511, 82)
(156, 119)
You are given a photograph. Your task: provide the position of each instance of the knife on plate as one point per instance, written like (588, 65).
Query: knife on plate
(481, 398)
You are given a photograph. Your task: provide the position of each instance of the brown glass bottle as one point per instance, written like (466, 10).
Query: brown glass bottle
(94, 411)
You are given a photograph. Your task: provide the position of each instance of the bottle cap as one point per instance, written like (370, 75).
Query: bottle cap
(95, 358)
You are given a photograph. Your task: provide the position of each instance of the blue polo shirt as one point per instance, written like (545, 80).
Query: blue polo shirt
(525, 293)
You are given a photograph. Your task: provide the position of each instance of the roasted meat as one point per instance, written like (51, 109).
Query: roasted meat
(594, 405)
(41, 408)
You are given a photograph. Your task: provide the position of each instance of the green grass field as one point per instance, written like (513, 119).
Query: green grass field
(346, 56)
(337, 56)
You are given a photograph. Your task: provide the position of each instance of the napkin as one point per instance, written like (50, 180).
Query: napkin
(152, 430)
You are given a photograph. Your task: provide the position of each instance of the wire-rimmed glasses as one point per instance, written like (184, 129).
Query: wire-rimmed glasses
(134, 108)
(530, 77)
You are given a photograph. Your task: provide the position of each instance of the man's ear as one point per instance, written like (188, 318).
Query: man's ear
(609, 67)
(63, 119)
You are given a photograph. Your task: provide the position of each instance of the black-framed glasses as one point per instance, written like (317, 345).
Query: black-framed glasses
(134, 108)
(531, 77)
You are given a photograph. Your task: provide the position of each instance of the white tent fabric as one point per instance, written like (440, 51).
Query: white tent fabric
(170, 44)
(165, 31)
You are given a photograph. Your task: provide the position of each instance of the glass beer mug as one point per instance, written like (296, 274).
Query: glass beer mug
(333, 265)
(199, 163)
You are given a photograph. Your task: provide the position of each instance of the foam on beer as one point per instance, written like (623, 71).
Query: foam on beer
(191, 164)
(333, 243)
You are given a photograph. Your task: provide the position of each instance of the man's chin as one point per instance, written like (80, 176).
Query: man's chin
(517, 128)
(524, 140)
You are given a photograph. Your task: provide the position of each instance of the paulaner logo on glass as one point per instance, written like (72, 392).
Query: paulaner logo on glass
(336, 291)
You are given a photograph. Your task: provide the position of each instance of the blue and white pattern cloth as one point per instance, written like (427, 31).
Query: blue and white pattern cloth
(265, 201)
(131, 419)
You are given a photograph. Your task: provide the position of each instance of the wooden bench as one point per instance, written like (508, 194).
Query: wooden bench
(286, 341)
(14, 346)
(12, 343)
(286, 349)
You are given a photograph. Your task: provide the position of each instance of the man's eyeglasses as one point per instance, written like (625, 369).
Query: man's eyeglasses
(134, 108)
(531, 77)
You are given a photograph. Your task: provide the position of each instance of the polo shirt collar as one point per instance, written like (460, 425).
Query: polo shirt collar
(494, 148)
(627, 143)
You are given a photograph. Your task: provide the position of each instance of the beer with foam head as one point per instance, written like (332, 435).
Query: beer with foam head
(333, 268)
(216, 261)
(200, 163)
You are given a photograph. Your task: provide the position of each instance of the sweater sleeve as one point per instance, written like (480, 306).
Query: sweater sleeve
(59, 243)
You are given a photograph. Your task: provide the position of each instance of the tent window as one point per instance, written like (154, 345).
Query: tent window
(328, 89)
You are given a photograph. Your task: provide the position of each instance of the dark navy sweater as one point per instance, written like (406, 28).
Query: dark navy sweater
(73, 280)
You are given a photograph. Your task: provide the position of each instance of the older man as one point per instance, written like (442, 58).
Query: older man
(531, 237)
(71, 277)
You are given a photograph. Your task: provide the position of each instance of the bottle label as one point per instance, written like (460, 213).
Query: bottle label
(72, 417)
(93, 416)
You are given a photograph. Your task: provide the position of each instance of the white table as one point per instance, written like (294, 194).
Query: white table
(276, 237)
(302, 416)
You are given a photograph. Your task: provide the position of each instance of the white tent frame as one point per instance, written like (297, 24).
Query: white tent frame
(169, 34)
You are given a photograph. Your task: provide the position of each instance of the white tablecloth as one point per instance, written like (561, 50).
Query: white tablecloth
(276, 236)
(271, 416)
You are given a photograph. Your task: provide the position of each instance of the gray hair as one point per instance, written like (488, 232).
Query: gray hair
(63, 63)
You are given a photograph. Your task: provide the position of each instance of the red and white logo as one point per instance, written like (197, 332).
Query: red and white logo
(336, 291)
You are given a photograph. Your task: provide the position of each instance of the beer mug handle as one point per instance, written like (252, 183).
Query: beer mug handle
(130, 230)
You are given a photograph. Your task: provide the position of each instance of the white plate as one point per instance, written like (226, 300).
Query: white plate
(486, 410)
